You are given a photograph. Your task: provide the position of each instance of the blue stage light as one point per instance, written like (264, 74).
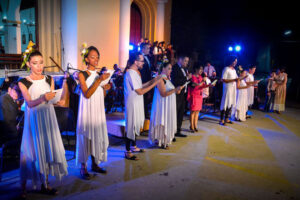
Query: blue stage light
(230, 48)
(130, 47)
(287, 32)
(238, 48)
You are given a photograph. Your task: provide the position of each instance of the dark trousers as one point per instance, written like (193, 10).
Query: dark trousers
(269, 101)
(225, 112)
(129, 142)
(180, 107)
(147, 103)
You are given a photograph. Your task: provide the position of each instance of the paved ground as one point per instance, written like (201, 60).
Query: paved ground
(257, 159)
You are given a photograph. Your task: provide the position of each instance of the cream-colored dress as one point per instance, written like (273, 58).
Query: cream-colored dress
(92, 138)
(163, 121)
(134, 104)
(229, 89)
(241, 102)
(42, 149)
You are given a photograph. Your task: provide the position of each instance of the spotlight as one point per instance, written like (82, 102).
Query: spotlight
(4, 17)
(238, 48)
(24, 20)
(230, 48)
(130, 47)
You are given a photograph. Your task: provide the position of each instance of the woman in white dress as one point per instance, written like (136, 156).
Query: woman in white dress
(242, 97)
(42, 150)
(251, 82)
(134, 102)
(229, 78)
(92, 138)
(163, 122)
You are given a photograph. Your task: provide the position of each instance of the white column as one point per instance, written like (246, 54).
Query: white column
(160, 20)
(124, 32)
(69, 24)
(12, 33)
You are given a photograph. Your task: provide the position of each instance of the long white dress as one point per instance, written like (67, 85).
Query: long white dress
(229, 89)
(92, 138)
(134, 104)
(241, 102)
(250, 89)
(163, 121)
(42, 150)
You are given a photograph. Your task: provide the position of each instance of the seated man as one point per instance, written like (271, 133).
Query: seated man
(9, 112)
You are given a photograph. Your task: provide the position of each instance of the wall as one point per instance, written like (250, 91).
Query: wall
(98, 25)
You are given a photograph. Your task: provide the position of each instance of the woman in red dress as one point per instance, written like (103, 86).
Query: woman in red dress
(195, 96)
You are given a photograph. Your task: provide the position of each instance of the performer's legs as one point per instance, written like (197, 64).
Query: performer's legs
(180, 104)
(222, 115)
(227, 114)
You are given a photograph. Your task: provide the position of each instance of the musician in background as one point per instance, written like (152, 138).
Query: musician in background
(9, 112)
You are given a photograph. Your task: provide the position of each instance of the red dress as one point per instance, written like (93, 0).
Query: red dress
(195, 94)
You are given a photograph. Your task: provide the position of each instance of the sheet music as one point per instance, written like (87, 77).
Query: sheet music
(214, 82)
(57, 96)
(111, 72)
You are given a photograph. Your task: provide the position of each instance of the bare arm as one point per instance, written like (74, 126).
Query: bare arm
(32, 103)
(229, 80)
(88, 92)
(148, 83)
(162, 89)
(238, 85)
(149, 86)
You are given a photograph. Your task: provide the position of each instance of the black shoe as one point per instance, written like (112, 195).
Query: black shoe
(192, 130)
(98, 169)
(174, 139)
(180, 135)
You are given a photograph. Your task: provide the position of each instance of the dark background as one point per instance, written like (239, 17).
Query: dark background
(209, 27)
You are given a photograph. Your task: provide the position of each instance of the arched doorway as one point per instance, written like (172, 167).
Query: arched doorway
(135, 24)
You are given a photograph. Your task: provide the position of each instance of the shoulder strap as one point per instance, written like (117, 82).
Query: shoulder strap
(48, 79)
(85, 74)
(25, 82)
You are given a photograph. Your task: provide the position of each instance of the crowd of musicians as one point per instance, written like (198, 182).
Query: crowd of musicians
(154, 89)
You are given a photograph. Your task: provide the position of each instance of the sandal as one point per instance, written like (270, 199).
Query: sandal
(48, 191)
(138, 150)
(229, 122)
(84, 174)
(98, 169)
(222, 123)
(130, 156)
(196, 129)
(165, 147)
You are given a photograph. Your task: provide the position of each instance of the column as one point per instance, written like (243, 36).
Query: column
(124, 32)
(160, 19)
(69, 42)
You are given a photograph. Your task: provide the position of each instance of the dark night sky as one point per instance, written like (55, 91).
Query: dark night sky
(210, 26)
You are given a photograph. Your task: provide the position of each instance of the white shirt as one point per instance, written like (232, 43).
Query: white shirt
(209, 70)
